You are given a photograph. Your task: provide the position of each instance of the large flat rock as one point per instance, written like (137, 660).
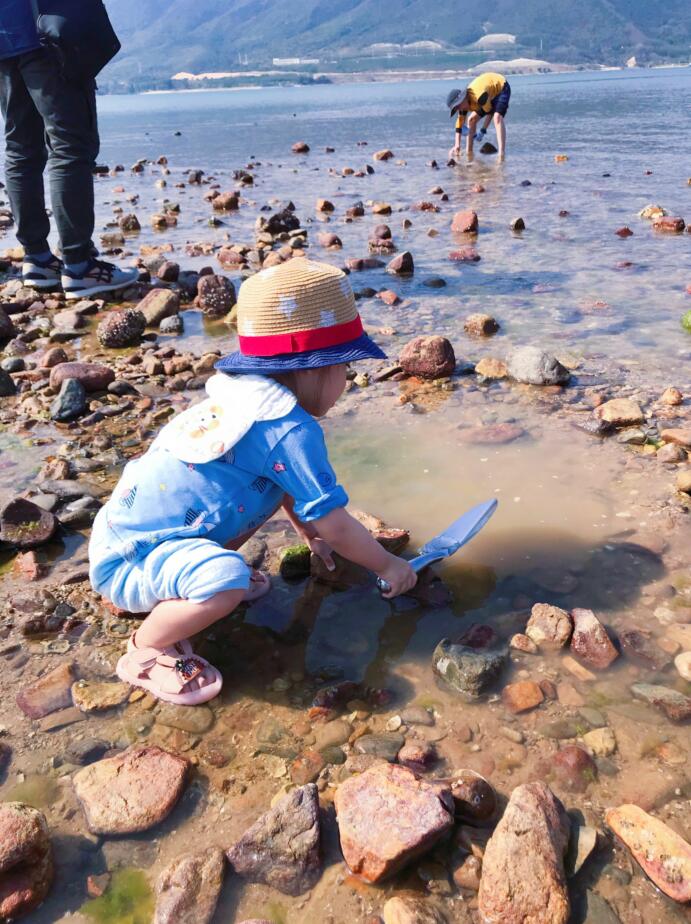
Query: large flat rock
(387, 817)
(282, 848)
(132, 791)
(523, 879)
(49, 693)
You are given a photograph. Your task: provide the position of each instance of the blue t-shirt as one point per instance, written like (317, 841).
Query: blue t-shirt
(17, 28)
(159, 497)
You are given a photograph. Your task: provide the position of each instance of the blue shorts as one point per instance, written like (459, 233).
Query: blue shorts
(500, 103)
(178, 569)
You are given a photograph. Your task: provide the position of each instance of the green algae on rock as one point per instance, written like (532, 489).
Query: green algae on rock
(128, 900)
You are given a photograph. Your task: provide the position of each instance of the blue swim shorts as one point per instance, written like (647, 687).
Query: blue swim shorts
(178, 569)
(501, 102)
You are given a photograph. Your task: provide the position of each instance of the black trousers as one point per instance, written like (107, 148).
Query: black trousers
(49, 121)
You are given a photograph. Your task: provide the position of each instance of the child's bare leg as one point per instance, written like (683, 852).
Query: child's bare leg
(173, 620)
(472, 128)
(500, 128)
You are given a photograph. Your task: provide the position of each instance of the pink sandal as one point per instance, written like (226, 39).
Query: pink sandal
(260, 585)
(166, 672)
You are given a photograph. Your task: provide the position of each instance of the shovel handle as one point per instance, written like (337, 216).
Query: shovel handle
(383, 586)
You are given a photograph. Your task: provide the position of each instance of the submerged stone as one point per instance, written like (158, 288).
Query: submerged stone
(25, 525)
(664, 856)
(187, 890)
(523, 876)
(590, 640)
(49, 693)
(467, 670)
(533, 366)
(676, 706)
(132, 791)
(411, 816)
(428, 357)
(26, 865)
(282, 848)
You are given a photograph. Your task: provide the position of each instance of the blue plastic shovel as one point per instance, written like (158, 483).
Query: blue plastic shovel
(450, 541)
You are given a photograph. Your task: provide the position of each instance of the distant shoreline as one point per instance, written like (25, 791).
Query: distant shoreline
(335, 78)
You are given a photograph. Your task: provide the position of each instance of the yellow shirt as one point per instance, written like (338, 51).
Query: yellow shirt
(481, 93)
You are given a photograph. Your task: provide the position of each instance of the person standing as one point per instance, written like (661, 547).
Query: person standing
(486, 97)
(48, 104)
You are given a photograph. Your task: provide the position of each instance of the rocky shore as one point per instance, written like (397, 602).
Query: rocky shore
(531, 766)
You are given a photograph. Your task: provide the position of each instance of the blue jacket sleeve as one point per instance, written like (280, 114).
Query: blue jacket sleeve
(299, 465)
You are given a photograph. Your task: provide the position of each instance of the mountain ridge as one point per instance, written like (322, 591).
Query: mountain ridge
(161, 37)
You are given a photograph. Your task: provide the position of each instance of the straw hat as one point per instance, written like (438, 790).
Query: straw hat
(297, 315)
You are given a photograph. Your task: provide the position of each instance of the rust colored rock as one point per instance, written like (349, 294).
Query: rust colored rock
(480, 325)
(26, 865)
(49, 693)
(53, 357)
(355, 211)
(663, 855)
(226, 202)
(549, 626)
(129, 224)
(574, 768)
(424, 206)
(329, 240)
(411, 816)
(669, 225)
(474, 799)
(23, 834)
(358, 264)
(491, 435)
(464, 222)
(385, 154)
(428, 357)
(306, 767)
(620, 412)
(491, 368)
(159, 304)
(464, 255)
(300, 147)
(230, 258)
(381, 208)
(389, 298)
(93, 376)
(681, 436)
(523, 879)
(282, 848)
(675, 705)
(522, 696)
(325, 205)
(132, 791)
(381, 233)
(624, 232)
(25, 525)
(590, 641)
(215, 295)
(402, 264)
(188, 888)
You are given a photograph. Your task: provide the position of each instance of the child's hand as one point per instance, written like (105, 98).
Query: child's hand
(323, 550)
(399, 576)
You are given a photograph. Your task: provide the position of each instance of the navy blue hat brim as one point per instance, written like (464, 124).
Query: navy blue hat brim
(361, 348)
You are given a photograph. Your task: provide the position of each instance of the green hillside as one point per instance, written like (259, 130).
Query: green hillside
(162, 37)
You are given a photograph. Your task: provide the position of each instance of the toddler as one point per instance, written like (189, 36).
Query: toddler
(165, 542)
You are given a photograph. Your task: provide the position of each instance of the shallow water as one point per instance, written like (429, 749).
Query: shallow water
(580, 522)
